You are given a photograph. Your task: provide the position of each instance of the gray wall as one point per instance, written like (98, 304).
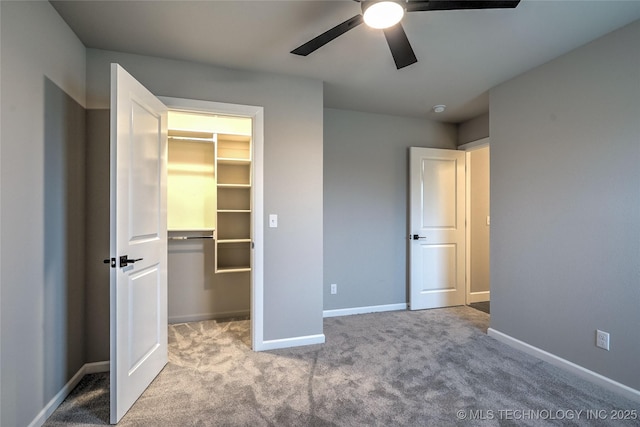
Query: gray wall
(474, 129)
(365, 203)
(196, 292)
(97, 232)
(565, 202)
(41, 206)
(292, 177)
(479, 210)
(64, 239)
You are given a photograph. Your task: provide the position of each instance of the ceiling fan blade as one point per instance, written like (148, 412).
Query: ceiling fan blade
(327, 36)
(426, 5)
(400, 47)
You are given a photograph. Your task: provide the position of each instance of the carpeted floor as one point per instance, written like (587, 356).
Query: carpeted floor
(426, 368)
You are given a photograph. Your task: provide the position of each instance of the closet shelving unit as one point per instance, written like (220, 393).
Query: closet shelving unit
(210, 187)
(233, 219)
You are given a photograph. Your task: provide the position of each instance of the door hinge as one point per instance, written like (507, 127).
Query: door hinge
(111, 261)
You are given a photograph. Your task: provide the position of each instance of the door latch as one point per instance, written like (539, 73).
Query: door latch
(124, 260)
(416, 237)
(111, 262)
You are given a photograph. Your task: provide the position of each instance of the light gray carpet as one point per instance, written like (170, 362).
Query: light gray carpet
(384, 369)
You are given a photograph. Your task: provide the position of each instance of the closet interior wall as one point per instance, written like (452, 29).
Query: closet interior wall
(209, 216)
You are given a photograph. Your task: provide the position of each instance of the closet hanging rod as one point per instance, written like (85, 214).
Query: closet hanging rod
(191, 138)
(190, 237)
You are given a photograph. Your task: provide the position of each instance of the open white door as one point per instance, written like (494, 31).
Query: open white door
(437, 228)
(138, 293)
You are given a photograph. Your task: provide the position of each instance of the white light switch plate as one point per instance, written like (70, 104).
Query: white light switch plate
(273, 221)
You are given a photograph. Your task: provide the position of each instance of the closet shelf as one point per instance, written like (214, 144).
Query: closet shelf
(183, 230)
(234, 210)
(233, 269)
(190, 134)
(191, 139)
(234, 185)
(233, 161)
(222, 241)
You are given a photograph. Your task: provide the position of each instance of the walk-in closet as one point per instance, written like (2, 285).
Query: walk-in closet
(209, 194)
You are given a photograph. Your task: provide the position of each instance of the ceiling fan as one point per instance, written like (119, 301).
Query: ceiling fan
(387, 14)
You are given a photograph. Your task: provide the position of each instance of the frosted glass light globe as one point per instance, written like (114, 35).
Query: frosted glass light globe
(383, 14)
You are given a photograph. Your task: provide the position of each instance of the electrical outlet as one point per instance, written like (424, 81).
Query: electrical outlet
(602, 339)
(334, 289)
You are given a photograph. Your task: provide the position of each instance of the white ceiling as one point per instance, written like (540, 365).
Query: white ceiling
(461, 54)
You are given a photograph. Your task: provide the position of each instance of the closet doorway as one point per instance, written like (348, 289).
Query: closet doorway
(214, 212)
(478, 224)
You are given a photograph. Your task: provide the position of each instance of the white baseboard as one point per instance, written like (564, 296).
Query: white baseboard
(363, 310)
(594, 377)
(96, 367)
(87, 368)
(207, 316)
(291, 342)
(479, 297)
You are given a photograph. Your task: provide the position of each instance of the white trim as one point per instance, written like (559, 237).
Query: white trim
(257, 272)
(467, 228)
(257, 280)
(208, 316)
(291, 342)
(481, 296)
(594, 377)
(474, 145)
(87, 368)
(363, 310)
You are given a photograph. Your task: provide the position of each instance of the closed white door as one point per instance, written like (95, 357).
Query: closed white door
(437, 228)
(138, 294)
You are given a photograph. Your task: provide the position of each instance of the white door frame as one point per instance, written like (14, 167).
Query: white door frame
(468, 148)
(257, 116)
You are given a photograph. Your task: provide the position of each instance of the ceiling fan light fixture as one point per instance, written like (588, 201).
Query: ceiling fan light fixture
(382, 14)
